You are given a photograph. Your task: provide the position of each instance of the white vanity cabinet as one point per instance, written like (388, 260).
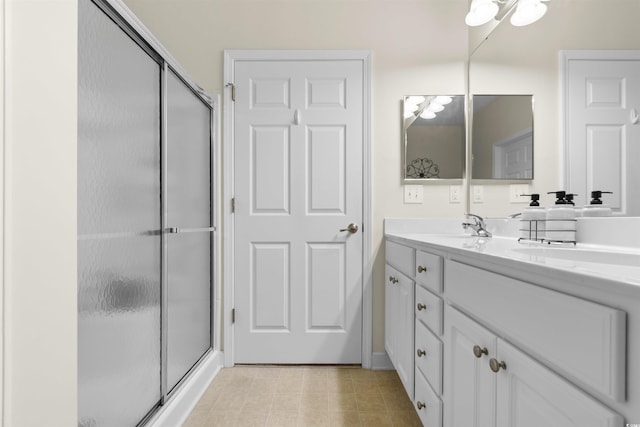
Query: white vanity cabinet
(491, 383)
(492, 349)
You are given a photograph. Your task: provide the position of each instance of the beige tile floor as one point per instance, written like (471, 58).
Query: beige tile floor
(304, 397)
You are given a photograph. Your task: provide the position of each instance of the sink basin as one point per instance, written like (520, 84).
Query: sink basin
(583, 255)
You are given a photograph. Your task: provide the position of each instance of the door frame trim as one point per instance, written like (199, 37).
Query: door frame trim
(231, 56)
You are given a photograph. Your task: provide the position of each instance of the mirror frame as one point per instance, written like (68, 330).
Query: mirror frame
(465, 156)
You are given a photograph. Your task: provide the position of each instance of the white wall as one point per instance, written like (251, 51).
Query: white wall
(39, 245)
(417, 47)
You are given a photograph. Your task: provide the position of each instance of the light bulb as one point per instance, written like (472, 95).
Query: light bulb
(443, 100)
(435, 107)
(426, 114)
(415, 100)
(410, 107)
(481, 12)
(527, 12)
(408, 114)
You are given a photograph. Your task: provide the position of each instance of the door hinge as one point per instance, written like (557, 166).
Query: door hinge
(233, 205)
(233, 91)
(362, 228)
(233, 315)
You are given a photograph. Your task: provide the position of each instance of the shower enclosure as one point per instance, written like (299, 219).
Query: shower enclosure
(145, 222)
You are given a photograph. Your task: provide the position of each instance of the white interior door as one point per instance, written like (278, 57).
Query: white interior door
(603, 130)
(298, 145)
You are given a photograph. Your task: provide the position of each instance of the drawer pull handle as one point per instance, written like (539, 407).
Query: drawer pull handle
(421, 306)
(479, 351)
(393, 280)
(421, 269)
(421, 352)
(420, 405)
(495, 365)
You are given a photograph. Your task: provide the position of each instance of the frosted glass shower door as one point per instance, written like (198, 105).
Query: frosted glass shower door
(188, 204)
(119, 222)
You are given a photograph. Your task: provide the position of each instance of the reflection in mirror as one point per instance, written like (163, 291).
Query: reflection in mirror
(527, 60)
(434, 137)
(502, 137)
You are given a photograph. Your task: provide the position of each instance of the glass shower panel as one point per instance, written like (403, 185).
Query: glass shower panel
(119, 214)
(188, 199)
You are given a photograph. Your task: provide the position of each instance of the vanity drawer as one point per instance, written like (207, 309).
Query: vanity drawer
(428, 356)
(401, 257)
(583, 340)
(427, 403)
(429, 270)
(429, 309)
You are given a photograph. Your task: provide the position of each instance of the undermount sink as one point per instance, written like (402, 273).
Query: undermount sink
(583, 255)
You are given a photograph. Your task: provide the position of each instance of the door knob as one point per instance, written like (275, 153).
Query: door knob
(420, 405)
(495, 365)
(421, 352)
(421, 306)
(421, 269)
(479, 351)
(351, 228)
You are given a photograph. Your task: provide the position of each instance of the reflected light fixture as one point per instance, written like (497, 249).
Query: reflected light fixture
(435, 107)
(528, 12)
(443, 100)
(481, 12)
(426, 114)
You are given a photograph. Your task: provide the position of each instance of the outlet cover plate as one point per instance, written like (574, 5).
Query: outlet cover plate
(516, 191)
(455, 193)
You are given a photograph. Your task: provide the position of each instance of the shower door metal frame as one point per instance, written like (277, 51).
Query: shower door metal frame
(134, 28)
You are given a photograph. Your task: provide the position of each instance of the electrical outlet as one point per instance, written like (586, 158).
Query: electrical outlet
(478, 193)
(413, 194)
(516, 191)
(455, 193)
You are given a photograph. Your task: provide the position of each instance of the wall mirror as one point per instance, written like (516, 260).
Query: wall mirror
(527, 60)
(434, 138)
(502, 135)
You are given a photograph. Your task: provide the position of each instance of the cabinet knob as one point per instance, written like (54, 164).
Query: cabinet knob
(421, 269)
(421, 352)
(420, 405)
(393, 280)
(479, 351)
(496, 366)
(421, 306)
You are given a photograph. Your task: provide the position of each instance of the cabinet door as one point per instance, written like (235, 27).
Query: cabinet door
(399, 324)
(530, 395)
(404, 332)
(390, 312)
(470, 385)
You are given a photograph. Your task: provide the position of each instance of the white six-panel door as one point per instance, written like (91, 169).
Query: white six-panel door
(602, 128)
(298, 146)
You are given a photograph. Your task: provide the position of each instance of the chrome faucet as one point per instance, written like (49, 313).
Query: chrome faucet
(478, 226)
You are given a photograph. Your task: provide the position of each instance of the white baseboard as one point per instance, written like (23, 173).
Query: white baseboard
(381, 362)
(176, 411)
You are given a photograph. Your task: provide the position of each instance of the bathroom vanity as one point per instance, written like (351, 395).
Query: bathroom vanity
(491, 332)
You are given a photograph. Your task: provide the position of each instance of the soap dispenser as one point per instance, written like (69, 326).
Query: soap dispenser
(577, 209)
(595, 207)
(561, 220)
(532, 222)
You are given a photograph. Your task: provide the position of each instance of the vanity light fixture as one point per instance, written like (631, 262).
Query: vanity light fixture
(481, 12)
(528, 12)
